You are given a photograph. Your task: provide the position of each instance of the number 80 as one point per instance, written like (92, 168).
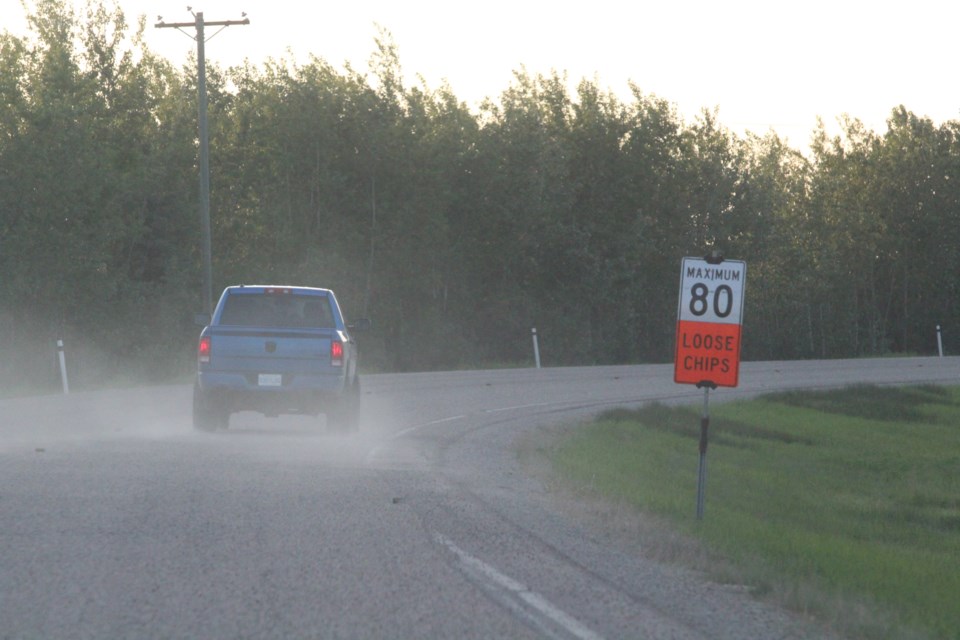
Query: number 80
(722, 300)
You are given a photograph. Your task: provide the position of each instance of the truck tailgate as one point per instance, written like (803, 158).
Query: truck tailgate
(294, 351)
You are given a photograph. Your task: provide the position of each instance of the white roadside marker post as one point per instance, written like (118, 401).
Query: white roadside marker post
(63, 366)
(536, 347)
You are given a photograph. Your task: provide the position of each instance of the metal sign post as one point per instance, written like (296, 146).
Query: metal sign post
(702, 468)
(708, 336)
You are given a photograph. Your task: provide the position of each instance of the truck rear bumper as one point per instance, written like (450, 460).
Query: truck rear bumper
(271, 394)
(259, 382)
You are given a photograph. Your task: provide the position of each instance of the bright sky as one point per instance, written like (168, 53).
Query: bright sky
(765, 64)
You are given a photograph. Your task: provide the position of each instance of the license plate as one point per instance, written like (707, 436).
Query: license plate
(270, 379)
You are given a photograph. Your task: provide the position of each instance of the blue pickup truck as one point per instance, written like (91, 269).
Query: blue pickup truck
(277, 350)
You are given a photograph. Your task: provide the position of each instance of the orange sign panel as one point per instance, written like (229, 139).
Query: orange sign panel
(707, 351)
(708, 322)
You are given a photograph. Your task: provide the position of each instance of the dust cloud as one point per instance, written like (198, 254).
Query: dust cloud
(45, 423)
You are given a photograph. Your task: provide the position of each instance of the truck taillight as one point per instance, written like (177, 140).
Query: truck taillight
(336, 353)
(203, 351)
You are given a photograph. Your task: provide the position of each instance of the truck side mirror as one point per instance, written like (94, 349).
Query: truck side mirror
(201, 319)
(360, 325)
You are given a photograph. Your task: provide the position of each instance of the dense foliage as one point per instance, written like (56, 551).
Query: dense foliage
(456, 232)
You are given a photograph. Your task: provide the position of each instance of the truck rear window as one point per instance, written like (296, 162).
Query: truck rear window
(277, 310)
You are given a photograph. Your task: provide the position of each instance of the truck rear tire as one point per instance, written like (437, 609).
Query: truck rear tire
(344, 415)
(208, 414)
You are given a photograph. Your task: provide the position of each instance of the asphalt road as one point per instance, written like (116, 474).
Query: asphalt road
(117, 520)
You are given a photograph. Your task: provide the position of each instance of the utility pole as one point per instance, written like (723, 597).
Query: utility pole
(198, 24)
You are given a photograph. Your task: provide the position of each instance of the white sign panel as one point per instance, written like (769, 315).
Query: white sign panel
(711, 292)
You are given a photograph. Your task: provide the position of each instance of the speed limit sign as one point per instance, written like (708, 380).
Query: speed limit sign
(709, 322)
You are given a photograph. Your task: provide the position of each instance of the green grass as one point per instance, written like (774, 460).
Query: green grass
(822, 499)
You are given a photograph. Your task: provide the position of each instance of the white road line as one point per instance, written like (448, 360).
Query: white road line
(400, 434)
(510, 587)
(520, 406)
(372, 455)
(374, 452)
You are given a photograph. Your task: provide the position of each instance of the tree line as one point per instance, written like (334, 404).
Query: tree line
(455, 230)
